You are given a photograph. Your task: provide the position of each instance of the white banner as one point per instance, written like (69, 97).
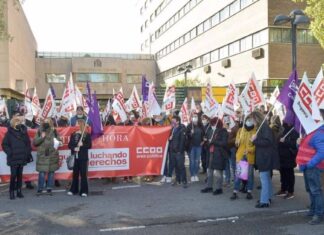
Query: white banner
(230, 100)
(169, 100)
(119, 105)
(318, 96)
(134, 102)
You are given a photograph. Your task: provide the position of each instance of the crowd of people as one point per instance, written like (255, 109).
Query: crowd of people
(213, 145)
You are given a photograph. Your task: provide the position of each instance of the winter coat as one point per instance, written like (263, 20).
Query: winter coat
(232, 137)
(83, 154)
(288, 149)
(177, 143)
(17, 146)
(266, 152)
(243, 138)
(317, 143)
(47, 155)
(220, 153)
(74, 119)
(196, 138)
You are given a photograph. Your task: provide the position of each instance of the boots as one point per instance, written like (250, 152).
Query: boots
(12, 195)
(19, 193)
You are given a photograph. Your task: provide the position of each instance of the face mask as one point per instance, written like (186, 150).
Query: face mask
(157, 119)
(18, 126)
(204, 122)
(46, 126)
(213, 127)
(132, 117)
(195, 119)
(249, 123)
(80, 116)
(3, 118)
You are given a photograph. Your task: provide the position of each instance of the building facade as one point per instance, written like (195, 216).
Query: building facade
(225, 40)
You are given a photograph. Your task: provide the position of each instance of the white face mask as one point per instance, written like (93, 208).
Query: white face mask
(249, 123)
(213, 127)
(194, 119)
(204, 122)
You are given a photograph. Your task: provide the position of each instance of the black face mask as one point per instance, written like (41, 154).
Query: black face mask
(46, 126)
(19, 126)
(248, 128)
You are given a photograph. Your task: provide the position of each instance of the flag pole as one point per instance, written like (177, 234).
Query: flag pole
(265, 118)
(288, 132)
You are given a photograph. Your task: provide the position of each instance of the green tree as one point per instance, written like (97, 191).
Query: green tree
(315, 10)
(190, 83)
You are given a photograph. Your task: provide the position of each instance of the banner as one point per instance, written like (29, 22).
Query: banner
(119, 105)
(153, 106)
(49, 106)
(184, 113)
(211, 105)
(318, 96)
(169, 100)
(303, 106)
(68, 102)
(134, 102)
(120, 151)
(230, 100)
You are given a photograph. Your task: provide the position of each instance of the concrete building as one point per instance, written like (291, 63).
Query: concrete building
(225, 40)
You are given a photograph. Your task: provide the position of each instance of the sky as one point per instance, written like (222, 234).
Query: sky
(107, 26)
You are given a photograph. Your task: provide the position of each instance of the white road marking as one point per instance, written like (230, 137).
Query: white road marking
(295, 212)
(127, 186)
(59, 191)
(122, 228)
(218, 219)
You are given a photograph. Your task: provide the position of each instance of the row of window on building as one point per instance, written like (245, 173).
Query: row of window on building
(206, 25)
(272, 35)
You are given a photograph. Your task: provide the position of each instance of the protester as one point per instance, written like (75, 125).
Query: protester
(266, 157)
(195, 135)
(4, 121)
(80, 148)
(310, 159)
(204, 150)
(287, 153)
(63, 121)
(17, 146)
(177, 149)
(79, 114)
(218, 157)
(47, 142)
(245, 152)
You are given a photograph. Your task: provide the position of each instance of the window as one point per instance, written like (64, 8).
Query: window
(200, 29)
(187, 8)
(181, 42)
(198, 62)
(310, 37)
(275, 35)
(234, 48)
(98, 77)
(176, 43)
(286, 35)
(246, 43)
(223, 52)
(206, 59)
(207, 25)
(224, 14)
(172, 46)
(181, 13)
(141, 10)
(141, 28)
(187, 37)
(260, 38)
(152, 17)
(215, 19)
(245, 3)
(20, 85)
(134, 78)
(146, 23)
(55, 78)
(214, 56)
(193, 33)
(302, 36)
(235, 7)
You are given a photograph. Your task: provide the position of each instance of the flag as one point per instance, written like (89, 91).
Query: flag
(145, 88)
(107, 108)
(28, 104)
(230, 100)
(53, 91)
(4, 108)
(303, 106)
(94, 115)
(169, 99)
(68, 102)
(184, 113)
(153, 105)
(318, 96)
(119, 105)
(274, 96)
(80, 100)
(287, 96)
(251, 96)
(193, 108)
(134, 102)
(49, 107)
(36, 107)
(211, 105)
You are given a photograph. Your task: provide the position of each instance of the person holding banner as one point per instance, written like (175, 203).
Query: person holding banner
(17, 146)
(266, 157)
(310, 160)
(47, 142)
(80, 143)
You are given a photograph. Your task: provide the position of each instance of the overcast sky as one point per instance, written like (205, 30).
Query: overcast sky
(85, 25)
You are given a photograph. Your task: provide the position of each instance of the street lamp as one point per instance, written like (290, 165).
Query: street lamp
(295, 18)
(185, 70)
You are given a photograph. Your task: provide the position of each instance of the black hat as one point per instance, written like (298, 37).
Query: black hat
(79, 108)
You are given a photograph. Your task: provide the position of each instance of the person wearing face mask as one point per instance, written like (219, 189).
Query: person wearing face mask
(46, 140)
(245, 151)
(195, 140)
(79, 114)
(4, 121)
(177, 149)
(17, 146)
(218, 157)
(204, 149)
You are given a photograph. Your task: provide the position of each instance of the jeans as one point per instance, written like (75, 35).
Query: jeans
(177, 161)
(15, 177)
(313, 186)
(166, 165)
(80, 168)
(231, 165)
(194, 160)
(266, 184)
(218, 179)
(41, 180)
(287, 179)
(250, 181)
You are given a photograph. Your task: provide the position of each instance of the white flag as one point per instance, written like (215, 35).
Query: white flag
(49, 107)
(28, 104)
(80, 100)
(211, 105)
(251, 96)
(169, 100)
(318, 96)
(68, 102)
(184, 113)
(303, 106)
(3, 108)
(274, 96)
(134, 102)
(119, 105)
(230, 100)
(193, 108)
(153, 105)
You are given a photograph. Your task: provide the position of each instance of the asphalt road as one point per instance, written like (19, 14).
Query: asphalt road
(152, 208)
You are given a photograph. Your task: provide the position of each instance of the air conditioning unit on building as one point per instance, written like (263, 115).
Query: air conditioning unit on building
(226, 63)
(258, 53)
(207, 69)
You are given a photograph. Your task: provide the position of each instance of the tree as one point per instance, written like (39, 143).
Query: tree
(315, 10)
(190, 83)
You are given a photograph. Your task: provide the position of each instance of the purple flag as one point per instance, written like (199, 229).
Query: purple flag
(287, 96)
(145, 88)
(53, 91)
(94, 114)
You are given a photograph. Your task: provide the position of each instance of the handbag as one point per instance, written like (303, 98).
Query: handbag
(242, 170)
(70, 161)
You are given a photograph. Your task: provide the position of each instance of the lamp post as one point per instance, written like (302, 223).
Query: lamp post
(295, 18)
(185, 70)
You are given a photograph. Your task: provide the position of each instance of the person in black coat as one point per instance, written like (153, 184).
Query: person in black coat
(287, 155)
(16, 144)
(80, 148)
